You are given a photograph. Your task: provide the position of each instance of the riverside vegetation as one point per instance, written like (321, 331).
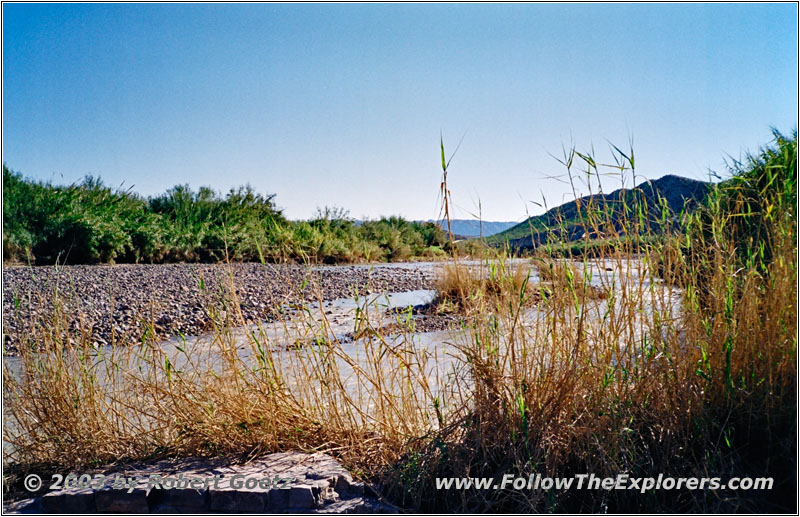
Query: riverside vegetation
(684, 363)
(89, 223)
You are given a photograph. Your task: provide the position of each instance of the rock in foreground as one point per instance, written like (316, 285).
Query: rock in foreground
(277, 483)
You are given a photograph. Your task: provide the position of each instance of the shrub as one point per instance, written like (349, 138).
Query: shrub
(92, 223)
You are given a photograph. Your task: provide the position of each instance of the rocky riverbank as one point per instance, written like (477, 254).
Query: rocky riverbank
(106, 303)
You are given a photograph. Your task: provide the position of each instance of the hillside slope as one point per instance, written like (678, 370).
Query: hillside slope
(565, 221)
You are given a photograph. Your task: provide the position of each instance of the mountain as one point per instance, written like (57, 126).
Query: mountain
(464, 228)
(470, 228)
(565, 221)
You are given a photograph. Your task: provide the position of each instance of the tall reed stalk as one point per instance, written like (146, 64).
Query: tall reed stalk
(677, 357)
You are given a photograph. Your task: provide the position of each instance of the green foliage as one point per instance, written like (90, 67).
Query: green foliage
(85, 223)
(92, 223)
(748, 213)
(204, 226)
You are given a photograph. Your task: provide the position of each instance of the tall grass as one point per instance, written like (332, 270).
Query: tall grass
(650, 378)
(93, 223)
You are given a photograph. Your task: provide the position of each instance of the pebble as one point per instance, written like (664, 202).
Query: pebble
(176, 299)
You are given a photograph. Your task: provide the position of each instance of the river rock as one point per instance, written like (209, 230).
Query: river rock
(176, 298)
(288, 482)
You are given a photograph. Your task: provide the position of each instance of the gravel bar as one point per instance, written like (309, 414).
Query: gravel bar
(176, 298)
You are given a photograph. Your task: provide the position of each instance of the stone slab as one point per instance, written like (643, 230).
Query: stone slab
(288, 482)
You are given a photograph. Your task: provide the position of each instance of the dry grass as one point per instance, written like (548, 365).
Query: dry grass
(494, 285)
(567, 278)
(644, 379)
(237, 392)
(571, 391)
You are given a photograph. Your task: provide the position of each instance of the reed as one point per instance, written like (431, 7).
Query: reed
(668, 371)
(90, 223)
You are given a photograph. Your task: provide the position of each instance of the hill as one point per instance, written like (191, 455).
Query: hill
(565, 221)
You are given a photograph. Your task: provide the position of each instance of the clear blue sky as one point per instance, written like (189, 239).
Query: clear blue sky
(343, 104)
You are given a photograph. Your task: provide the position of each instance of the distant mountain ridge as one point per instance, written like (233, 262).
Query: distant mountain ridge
(464, 228)
(675, 190)
(473, 228)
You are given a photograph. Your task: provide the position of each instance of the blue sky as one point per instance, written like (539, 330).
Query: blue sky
(343, 104)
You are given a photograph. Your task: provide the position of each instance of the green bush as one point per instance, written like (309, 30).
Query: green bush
(91, 223)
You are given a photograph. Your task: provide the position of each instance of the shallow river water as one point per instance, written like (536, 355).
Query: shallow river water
(342, 329)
